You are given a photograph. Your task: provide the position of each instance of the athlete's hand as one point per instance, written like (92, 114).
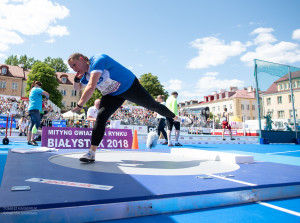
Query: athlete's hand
(79, 75)
(76, 110)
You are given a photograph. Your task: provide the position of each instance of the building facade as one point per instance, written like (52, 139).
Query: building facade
(240, 103)
(13, 81)
(277, 100)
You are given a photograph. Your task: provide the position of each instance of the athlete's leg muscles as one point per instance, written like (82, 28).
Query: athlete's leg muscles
(108, 105)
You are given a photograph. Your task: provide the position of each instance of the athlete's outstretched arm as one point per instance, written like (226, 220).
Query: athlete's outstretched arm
(88, 91)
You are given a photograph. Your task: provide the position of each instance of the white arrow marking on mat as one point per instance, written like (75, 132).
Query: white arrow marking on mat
(71, 184)
(237, 181)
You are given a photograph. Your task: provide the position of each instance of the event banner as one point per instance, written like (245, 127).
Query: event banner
(80, 138)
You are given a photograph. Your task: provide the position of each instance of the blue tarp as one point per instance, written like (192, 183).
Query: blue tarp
(3, 122)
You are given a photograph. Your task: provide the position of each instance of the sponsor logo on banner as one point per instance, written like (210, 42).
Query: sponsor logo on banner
(80, 138)
(141, 129)
(234, 132)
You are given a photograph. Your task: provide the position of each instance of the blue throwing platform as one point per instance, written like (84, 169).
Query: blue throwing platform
(63, 194)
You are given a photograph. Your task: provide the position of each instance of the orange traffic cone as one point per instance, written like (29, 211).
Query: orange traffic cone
(135, 143)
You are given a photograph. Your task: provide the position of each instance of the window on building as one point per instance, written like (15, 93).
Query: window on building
(73, 104)
(268, 101)
(286, 86)
(294, 84)
(298, 84)
(63, 92)
(74, 92)
(279, 100)
(242, 107)
(281, 87)
(4, 70)
(253, 107)
(248, 107)
(292, 114)
(230, 106)
(290, 98)
(64, 103)
(280, 114)
(2, 84)
(14, 86)
(213, 109)
(254, 117)
(64, 80)
(248, 117)
(218, 108)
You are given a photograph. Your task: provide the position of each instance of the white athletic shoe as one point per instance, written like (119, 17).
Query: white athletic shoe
(88, 157)
(151, 140)
(185, 120)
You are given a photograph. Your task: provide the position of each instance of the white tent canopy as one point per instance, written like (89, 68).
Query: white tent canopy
(72, 115)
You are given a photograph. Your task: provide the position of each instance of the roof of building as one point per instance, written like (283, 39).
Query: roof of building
(286, 77)
(243, 94)
(273, 88)
(16, 71)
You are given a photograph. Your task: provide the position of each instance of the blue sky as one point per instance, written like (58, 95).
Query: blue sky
(193, 46)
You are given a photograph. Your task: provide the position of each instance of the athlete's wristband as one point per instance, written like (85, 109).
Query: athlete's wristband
(79, 106)
(76, 79)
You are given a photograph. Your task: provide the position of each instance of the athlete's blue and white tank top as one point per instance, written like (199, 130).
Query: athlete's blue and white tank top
(114, 80)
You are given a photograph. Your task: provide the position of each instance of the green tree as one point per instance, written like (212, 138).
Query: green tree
(57, 64)
(96, 95)
(152, 85)
(14, 60)
(46, 75)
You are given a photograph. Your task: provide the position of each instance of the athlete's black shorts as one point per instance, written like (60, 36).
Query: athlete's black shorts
(171, 123)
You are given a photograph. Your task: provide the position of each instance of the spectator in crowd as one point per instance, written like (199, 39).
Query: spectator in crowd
(287, 127)
(23, 126)
(92, 113)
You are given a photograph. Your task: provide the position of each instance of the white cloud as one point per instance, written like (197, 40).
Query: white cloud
(213, 52)
(30, 17)
(173, 85)
(296, 34)
(280, 52)
(57, 31)
(206, 85)
(2, 55)
(50, 40)
(262, 30)
(8, 37)
(264, 35)
(211, 83)
(211, 74)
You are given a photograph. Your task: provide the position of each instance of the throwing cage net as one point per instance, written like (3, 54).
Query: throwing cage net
(278, 96)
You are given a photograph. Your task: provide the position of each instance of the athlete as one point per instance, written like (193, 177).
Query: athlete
(161, 121)
(34, 109)
(116, 84)
(225, 124)
(171, 104)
